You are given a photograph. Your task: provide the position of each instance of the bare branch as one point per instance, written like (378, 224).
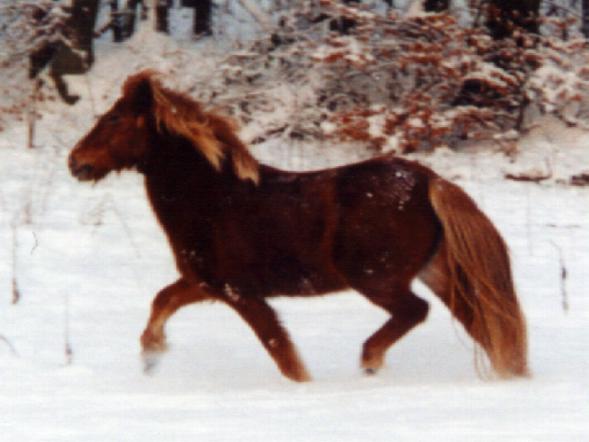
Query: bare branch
(563, 278)
(9, 345)
(260, 16)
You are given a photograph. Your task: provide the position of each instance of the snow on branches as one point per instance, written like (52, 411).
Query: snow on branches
(398, 82)
(26, 28)
(440, 82)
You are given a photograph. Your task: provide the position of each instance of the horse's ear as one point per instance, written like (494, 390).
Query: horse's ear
(139, 90)
(144, 95)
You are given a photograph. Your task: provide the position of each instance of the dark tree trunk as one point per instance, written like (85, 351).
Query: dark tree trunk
(203, 11)
(585, 18)
(202, 17)
(504, 16)
(116, 22)
(129, 16)
(81, 33)
(162, 8)
(436, 5)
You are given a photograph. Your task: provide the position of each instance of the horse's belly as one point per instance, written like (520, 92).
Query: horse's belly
(289, 276)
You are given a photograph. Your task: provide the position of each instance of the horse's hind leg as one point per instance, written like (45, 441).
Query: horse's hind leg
(407, 311)
(164, 305)
(264, 322)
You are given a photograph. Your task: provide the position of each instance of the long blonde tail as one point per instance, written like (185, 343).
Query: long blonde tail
(472, 275)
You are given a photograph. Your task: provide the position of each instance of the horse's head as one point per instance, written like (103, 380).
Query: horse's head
(120, 139)
(144, 119)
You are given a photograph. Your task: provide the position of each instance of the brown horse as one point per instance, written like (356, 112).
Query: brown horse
(242, 231)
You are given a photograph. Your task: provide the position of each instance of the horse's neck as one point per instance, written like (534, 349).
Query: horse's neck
(180, 183)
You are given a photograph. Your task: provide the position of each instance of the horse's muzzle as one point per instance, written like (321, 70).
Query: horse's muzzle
(83, 172)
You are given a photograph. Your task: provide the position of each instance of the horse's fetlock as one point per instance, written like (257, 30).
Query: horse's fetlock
(151, 342)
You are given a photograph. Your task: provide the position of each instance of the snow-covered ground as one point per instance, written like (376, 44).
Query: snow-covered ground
(88, 260)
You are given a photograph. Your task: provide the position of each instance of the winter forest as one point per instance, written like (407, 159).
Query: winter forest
(492, 95)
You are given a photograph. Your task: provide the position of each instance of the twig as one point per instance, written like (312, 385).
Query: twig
(563, 278)
(16, 295)
(261, 17)
(9, 345)
(90, 95)
(581, 179)
(68, 351)
(36, 242)
(32, 114)
(530, 177)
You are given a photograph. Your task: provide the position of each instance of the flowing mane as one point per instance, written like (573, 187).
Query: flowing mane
(213, 135)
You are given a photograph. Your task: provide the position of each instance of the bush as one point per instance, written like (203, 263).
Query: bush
(400, 83)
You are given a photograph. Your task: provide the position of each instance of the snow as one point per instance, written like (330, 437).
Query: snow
(89, 259)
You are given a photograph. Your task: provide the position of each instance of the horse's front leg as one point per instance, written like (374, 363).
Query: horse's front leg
(265, 324)
(165, 304)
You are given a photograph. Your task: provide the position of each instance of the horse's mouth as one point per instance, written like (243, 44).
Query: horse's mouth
(83, 172)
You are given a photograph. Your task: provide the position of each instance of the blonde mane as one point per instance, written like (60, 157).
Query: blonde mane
(211, 134)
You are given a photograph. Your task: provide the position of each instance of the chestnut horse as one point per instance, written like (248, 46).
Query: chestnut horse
(242, 231)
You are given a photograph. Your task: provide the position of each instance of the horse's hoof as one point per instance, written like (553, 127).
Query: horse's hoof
(303, 377)
(299, 375)
(150, 360)
(371, 362)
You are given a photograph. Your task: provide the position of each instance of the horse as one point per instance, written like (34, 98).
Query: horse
(242, 232)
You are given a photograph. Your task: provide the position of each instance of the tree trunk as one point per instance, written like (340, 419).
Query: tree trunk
(202, 17)
(436, 5)
(203, 9)
(82, 23)
(129, 16)
(504, 16)
(585, 18)
(116, 22)
(162, 8)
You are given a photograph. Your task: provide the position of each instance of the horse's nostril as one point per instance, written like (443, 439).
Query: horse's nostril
(84, 170)
(80, 171)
